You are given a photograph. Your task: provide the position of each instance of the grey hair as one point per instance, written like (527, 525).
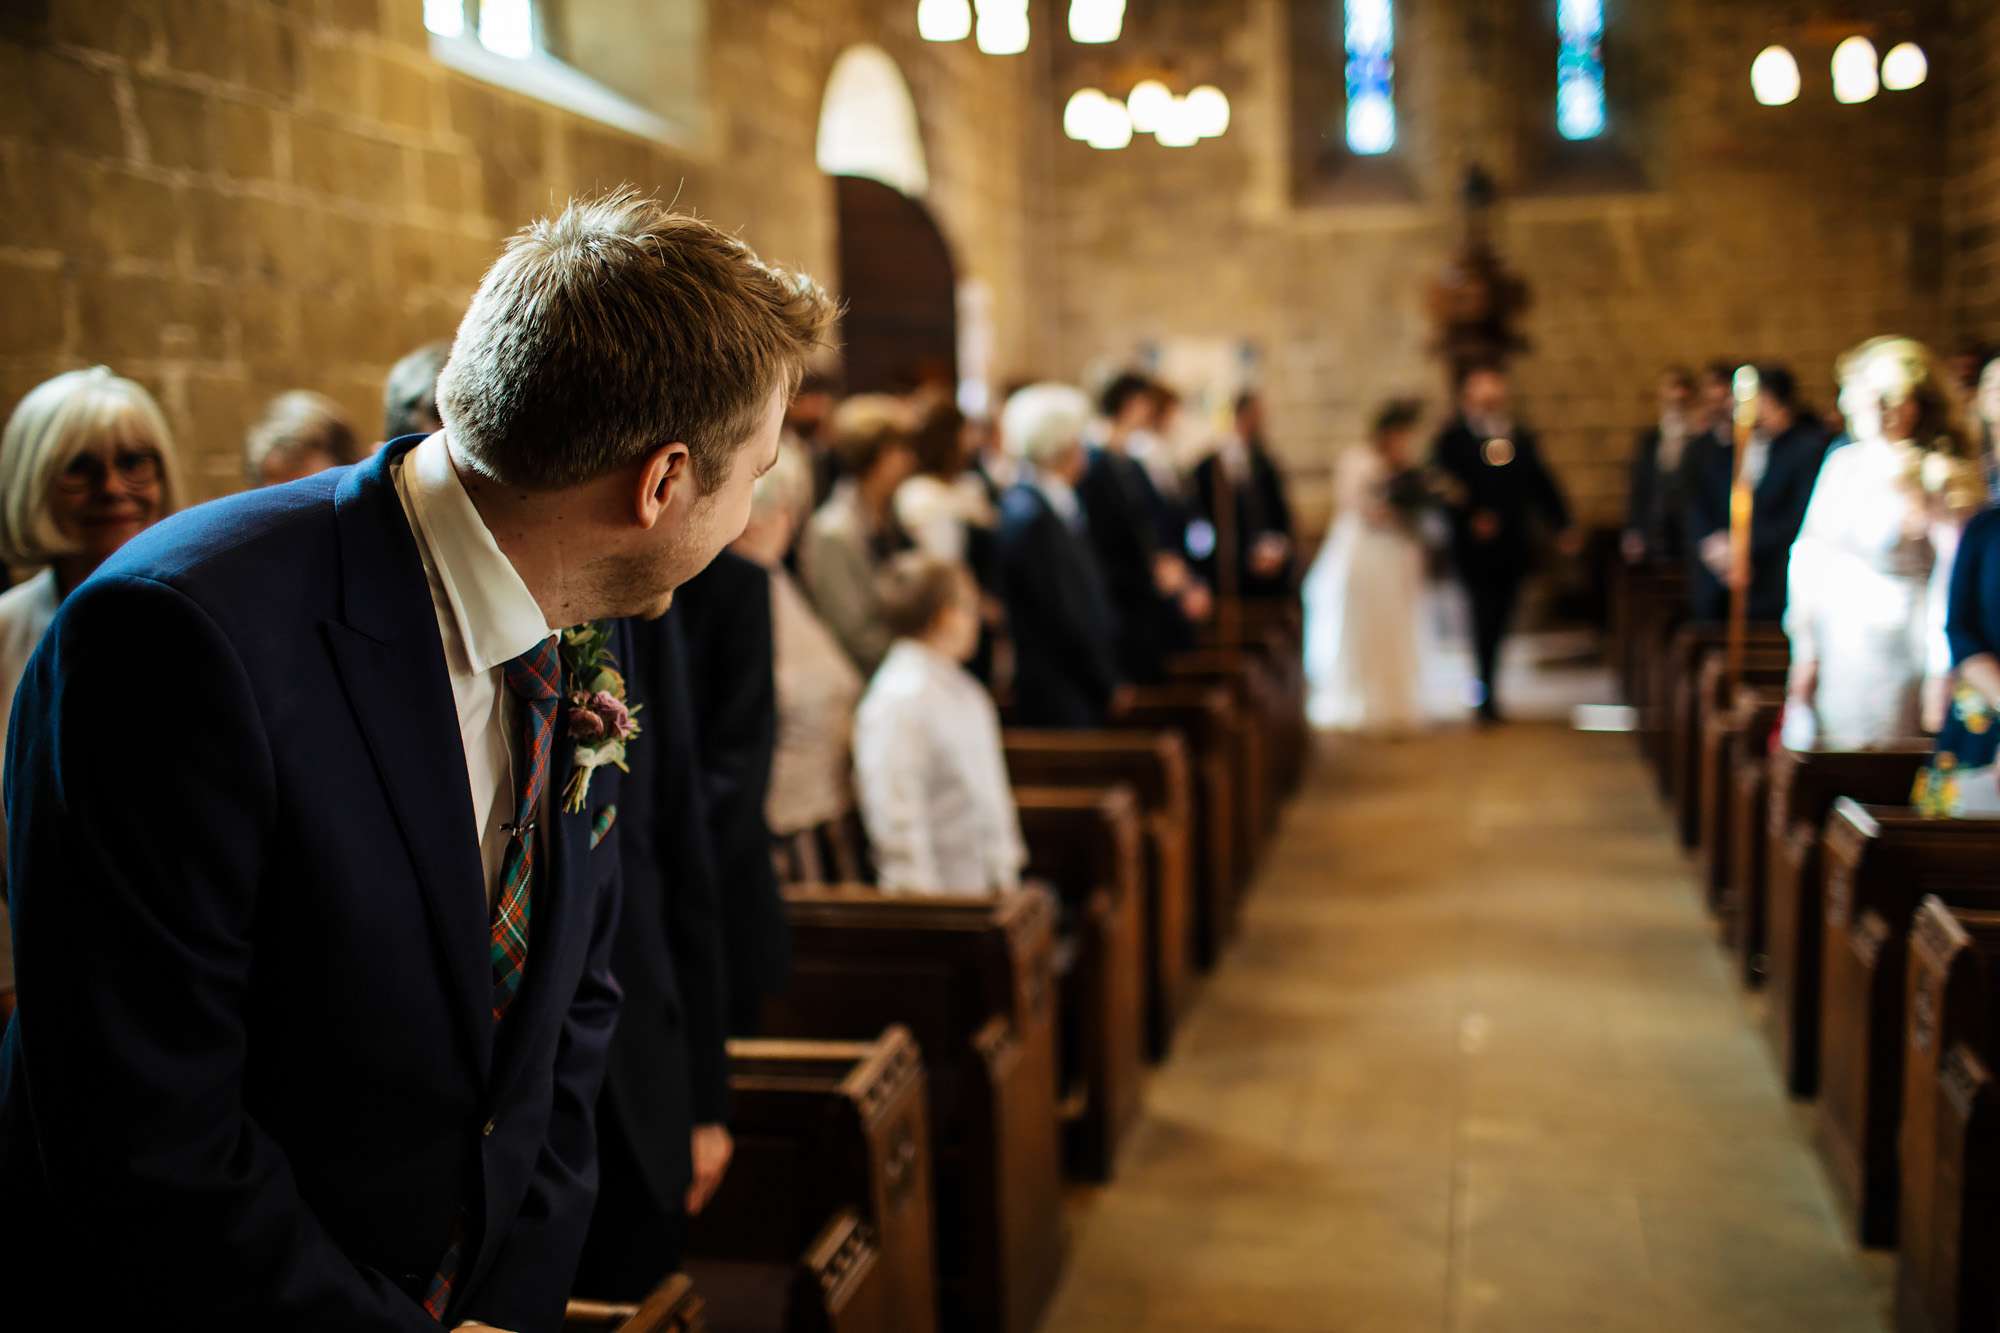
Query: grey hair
(409, 395)
(1043, 421)
(295, 423)
(57, 420)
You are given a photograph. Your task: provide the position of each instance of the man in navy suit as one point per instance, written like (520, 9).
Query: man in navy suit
(314, 881)
(1058, 613)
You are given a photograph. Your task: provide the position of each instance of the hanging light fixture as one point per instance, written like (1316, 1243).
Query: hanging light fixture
(944, 20)
(1177, 127)
(1113, 126)
(1905, 67)
(1774, 76)
(1148, 102)
(1084, 112)
(1855, 77)
(1207, 109)
(1096, 21)
(1003, 27)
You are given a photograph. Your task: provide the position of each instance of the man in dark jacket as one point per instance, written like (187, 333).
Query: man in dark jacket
(1656, 508)
(1261, 518)
(1504, 488)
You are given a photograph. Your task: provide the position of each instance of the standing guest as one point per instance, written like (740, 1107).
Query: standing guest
(300, 433)
(1503, 488)
(1966, 364)
(1655, 507)
(1122, 517)
(409, 395)
(1780, 464)
(1961, 778)
(806, 418)
(1059, 612)
(1153, 447)
(855, 531)
(86, 464)
(815, 684)
(1865, 610)
(725, 614)
(315, 913)
(663, 1144)
(928, 766)
(1364, 596)
(1986, 411)
(943, 505)
(1261, 519)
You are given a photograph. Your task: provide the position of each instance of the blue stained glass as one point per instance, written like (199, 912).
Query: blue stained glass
(1371, 76)
(1580, 69)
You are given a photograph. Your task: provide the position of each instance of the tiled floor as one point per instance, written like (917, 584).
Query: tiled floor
(1475, 1064)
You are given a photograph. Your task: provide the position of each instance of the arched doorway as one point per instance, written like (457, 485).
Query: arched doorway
(896, 271)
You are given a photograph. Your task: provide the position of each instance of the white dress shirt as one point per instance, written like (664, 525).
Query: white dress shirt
(25, 612)
(1060, 495)
(932, 778)
(486, 617)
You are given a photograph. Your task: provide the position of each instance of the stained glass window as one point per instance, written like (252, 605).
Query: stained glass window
(1371, 76)
(1580, 69)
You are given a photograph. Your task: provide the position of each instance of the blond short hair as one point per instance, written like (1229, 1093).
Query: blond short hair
(296, 423)
(867, 426)
(1043, 421)
(56, 421)
(618, 327)
(914, 589)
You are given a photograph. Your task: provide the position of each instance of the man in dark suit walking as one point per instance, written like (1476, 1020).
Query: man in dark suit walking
(314, 905)
(1504, 488)
(1058, 613)
(1259, 519)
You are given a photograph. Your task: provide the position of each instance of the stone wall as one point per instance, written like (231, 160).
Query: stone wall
(1718, 227)
(1974, 199)
(227, 198)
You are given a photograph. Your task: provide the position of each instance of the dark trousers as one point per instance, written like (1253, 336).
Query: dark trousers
(633, 1242)
(1493, 592)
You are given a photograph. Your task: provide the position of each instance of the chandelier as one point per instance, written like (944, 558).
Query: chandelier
(1150, 108)
(1859, 74)
(1000, 27)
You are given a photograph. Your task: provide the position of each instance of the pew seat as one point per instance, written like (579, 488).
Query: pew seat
(973, 978)
(1680, 700)
(1155, 766)
(1745, 849)
(1949, 1205)
(671, 1307)
(1802, 788)
(1724, 728)
(1879, 862)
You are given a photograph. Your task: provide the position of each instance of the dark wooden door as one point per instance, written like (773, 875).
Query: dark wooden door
(901, 325)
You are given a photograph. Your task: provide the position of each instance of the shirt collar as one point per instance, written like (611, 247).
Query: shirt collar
(1059, 493)
(498, 619)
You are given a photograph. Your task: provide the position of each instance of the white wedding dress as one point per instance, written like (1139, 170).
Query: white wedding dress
(1364, 600)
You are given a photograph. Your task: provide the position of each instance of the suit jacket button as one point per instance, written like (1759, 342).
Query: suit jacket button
(487, 1132)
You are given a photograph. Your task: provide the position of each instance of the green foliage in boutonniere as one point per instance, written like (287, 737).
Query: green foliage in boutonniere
(601, 722)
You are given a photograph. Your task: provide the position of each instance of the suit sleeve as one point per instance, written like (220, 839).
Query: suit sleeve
(528, 1282)
(1707, 489)
(1776, 520)
(140, 805)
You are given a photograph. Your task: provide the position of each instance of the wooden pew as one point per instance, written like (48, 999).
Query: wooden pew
(1720, 724)
(1692, 646)
(1880, 861)
(1654, 625)
(1803, 786)
(1274, 632)
(974, 980)
(1641, 598)
(1744, 849)
(1260, 715)
(672, 1307)
(824, 1219)
(1155, 766)
(1949, 1224)
(1087, 842)
(1206, 720)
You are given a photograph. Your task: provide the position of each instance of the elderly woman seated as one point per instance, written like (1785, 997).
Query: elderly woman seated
(855, 531)
(300, 433)
(86, 464)
(928, 765)
(815, 683)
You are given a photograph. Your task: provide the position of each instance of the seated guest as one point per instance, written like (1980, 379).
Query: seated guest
(300, 433)
(1655, 505)
(1780, 464)
(725, 615)
(815, 684)
(1261, 519)
(928, 767)
(1058, 611)
(409, 395)
(1961, 778)
(1123, 512)
(850, 536)
(86, 464)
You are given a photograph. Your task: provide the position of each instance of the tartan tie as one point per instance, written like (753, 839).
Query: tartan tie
(535, 677)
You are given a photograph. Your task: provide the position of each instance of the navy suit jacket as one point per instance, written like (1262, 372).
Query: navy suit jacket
(254, 1079)
(1124, 513)
(1058, 614)
(1779, 511)
(1516, 492)
(1261, 507)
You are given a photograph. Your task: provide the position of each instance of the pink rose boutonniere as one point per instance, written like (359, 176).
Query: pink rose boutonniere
(601, 721)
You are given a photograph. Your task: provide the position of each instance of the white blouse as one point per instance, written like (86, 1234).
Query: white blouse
(936, 513)
(25, 612)
(932, 779)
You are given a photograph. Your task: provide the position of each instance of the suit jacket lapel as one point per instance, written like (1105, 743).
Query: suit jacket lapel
(391, 658)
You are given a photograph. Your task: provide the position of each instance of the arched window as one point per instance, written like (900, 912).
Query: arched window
(1370, 33)
(868, 123)
(1580, 69)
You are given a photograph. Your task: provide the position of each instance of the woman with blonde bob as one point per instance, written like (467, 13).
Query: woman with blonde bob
(86, 464)
(1865, 613)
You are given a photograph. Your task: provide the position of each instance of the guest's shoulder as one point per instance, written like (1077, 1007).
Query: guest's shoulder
(29, 604)
(1982, 532)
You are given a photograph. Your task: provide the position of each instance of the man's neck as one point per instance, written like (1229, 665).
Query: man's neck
(528, 528)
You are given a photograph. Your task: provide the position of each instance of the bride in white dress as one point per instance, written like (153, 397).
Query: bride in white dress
(1865, 609)
(1364, 596)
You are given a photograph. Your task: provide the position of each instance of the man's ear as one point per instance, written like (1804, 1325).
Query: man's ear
(663, 471)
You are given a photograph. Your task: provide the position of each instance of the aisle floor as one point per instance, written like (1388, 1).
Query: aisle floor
(1475, 1063)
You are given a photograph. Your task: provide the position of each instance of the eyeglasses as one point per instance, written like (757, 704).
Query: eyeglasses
(87, 472)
